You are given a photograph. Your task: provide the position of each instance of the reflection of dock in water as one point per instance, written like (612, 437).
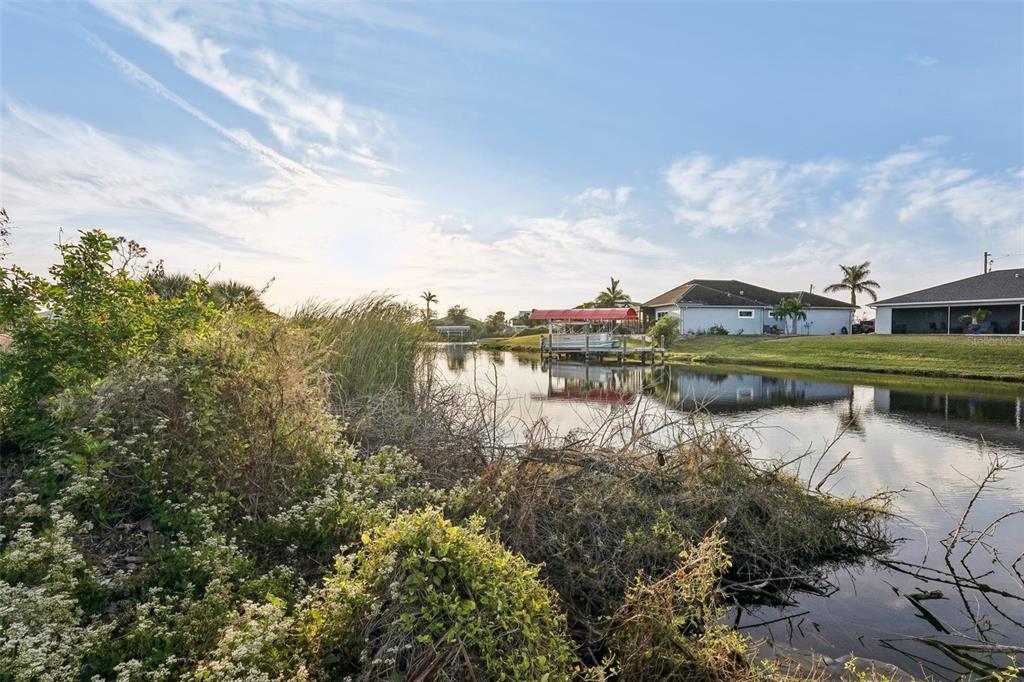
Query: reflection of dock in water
(581, 382)
(994, 419)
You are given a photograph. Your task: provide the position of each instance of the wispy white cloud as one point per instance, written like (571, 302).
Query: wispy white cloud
(241, 138)
(336, 237)
(906, 212)
(922, 60)
(261, 81)
(910, 184)
(747, 193)
(604, 198)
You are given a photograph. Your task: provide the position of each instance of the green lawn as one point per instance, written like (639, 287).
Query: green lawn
(519, 343)
(975, 357)
(968, 357)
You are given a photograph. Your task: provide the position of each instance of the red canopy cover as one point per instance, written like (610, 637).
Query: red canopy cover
(585, 314)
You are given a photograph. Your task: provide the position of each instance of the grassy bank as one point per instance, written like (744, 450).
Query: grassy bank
(961, 357)
(999, 358)
(513, 343)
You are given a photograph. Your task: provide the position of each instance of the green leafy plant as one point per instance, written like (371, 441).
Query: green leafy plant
(423, 599)
(94, 312)
(665, 330)
(791, 310)
(671, 629)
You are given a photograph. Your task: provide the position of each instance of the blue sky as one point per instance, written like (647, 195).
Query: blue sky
(515, 155)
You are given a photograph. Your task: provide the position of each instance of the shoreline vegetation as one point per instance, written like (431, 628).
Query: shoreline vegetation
(195, 488)
(987, 358)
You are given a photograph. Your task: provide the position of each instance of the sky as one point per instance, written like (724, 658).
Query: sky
(516, 155)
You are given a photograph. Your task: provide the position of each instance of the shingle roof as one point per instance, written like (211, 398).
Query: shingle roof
(998, 284)
(669, 297)
(731, 292)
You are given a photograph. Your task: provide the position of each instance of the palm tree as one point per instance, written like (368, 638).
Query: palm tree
(174, 285)
(612, 296)
(790, 310)
(429, 297)
(855, 280)
(234, 294)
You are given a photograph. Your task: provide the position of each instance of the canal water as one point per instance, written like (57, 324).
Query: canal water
(931, 440)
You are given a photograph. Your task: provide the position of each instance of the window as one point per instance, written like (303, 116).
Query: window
(746, 313)
(660, 315)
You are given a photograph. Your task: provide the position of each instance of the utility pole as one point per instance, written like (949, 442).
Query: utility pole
(984, 265)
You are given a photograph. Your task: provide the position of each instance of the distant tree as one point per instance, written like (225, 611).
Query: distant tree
(429, 297)
(458, 314)
(612, 296)
(223, 294)
(234, 294)
(790, 310)
(496, 321)
(168, 286)
(855, 280)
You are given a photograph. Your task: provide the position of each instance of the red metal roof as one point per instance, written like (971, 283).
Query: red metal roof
(585, 314)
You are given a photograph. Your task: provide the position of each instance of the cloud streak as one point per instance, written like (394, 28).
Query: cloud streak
(261, 81)
(241, 138)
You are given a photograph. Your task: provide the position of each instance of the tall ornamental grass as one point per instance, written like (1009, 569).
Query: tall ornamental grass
(369, 346)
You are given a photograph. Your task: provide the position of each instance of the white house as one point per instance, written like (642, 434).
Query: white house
(948, 308)
(743, 308)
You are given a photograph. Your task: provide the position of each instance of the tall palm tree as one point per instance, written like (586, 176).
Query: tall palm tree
(612, 296)
(429, 297)
(855, 280)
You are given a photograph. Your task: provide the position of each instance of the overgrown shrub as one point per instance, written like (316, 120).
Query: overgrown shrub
(671, 629)
(596, 519)
(45, 633)
(423, 599)
(234, 417)
(93, 314)
(665, 330)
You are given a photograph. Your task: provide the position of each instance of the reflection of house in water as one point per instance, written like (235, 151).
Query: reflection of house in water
(689, 388)
(995, 419)
(581, 382)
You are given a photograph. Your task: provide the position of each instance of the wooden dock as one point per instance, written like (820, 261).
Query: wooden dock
(597, 348)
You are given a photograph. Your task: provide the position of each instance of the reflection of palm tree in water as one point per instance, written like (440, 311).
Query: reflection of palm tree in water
(852, 420)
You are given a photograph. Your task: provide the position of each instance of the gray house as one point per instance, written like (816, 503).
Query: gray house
(947, 308)
(743, 308)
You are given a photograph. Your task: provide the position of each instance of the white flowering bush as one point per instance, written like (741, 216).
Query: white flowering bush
(44, 632)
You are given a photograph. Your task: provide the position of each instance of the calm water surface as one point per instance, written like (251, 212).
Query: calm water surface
(926, 438)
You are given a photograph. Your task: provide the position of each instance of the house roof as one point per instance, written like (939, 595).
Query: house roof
(731, 292)
(585, 314)
(992, 286)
